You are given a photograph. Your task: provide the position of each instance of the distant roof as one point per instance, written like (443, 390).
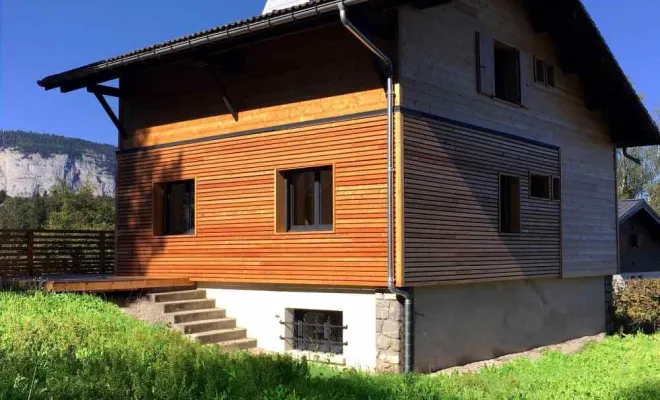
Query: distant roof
(628, 208)
(272, 5)
(580, 45)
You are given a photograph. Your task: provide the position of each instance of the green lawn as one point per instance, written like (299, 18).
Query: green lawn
(79, 347)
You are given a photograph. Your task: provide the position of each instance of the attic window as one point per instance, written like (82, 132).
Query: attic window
(633, 241)
(544, 73)
(507, 73)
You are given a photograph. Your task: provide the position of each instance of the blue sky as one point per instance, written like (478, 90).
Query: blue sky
(42, 37)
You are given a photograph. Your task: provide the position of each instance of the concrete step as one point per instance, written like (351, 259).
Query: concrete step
(238, 344)
(221, 335)
(207, 325)
(197, 315)
(178, 296)
(187, 305)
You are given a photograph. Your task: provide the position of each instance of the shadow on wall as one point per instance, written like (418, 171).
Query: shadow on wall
(138, 244)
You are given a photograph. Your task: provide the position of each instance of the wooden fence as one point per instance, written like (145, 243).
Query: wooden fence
(45, 252)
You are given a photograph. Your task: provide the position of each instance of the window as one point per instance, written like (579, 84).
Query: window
(503, 72)
(318, 330)
(174, 208)
(633, 241)
(539, 186)
(544, 73)
(556, 189)
(507, 73)
(509, 204)
(309, 198)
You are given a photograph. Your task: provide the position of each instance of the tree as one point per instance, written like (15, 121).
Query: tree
(82, 210)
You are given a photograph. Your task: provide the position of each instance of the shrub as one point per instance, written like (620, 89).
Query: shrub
(637, 305)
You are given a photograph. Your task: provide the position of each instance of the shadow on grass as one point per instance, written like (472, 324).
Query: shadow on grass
(646, 391)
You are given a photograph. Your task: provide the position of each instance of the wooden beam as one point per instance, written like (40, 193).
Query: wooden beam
(104, 90)
(220, 87)
(108, 110)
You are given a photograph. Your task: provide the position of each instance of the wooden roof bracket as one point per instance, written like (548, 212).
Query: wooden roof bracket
(99, 91)
(220, 87)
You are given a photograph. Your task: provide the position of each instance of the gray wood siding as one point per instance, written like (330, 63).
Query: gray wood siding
(437, 68)
(451, 206)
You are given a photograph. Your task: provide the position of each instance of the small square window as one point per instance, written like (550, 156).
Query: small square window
(556, 189)
(509, 204)
(507, 73)
(539, 186)
(174, 208)
(308, 203)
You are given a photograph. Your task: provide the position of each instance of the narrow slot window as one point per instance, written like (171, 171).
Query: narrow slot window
(550, 75)
(539, 186)
(633, 241)
(539, 71)
(556, 189)
(509, 204)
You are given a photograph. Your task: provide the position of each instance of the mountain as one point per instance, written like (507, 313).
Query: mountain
(33, 162)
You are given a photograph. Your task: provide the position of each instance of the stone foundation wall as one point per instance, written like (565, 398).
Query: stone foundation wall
(389, 333)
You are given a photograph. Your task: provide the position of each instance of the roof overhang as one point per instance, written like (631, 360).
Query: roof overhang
(580, 46)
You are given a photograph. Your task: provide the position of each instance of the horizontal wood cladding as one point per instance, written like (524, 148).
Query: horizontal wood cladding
(269, 84)
(451, 196)
(235, 238)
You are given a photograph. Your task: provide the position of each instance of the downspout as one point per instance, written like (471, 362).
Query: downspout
(408, 301)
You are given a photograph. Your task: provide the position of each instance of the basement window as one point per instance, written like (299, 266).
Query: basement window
(174, 208)
(320, 331)
(539, 186)
(509, 204)
(308, 202)
(507, 73)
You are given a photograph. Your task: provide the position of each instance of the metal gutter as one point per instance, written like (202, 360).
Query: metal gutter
(391, 284)
(226, 32)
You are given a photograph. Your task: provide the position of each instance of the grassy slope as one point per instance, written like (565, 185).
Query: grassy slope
(79, 347)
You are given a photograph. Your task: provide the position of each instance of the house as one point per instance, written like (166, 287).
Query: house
(411, 185)
(639, 239)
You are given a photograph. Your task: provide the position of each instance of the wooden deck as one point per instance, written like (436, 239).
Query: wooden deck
(98, 283)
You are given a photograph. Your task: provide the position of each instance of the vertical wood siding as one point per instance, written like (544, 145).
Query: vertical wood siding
(451, 206)
(437, 67)
(235, 238)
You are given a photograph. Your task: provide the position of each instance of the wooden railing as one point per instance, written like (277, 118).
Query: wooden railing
(46, 252)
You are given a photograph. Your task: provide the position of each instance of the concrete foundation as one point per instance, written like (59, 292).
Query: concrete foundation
(460, 324)
(261, 310)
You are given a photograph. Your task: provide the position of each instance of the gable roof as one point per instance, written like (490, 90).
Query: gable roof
(580, 45)
(628, 208)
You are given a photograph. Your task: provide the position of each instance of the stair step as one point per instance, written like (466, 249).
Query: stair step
(238, 344)
(221, 335)
(188, 305)
(207, 325)
(178, 296)
(198, 315)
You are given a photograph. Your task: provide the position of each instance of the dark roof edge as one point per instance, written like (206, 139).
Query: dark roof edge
(641, 205)
(629, 85)
(223, 32)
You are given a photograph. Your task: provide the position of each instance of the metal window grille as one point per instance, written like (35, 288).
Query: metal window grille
(316, 330)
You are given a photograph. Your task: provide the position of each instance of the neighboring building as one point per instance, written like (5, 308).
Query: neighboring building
(639, 239)
(254, 160)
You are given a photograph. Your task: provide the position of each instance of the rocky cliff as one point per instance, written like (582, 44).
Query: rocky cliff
(32, 163)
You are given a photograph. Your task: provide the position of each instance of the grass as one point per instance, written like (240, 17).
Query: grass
(79, 347)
